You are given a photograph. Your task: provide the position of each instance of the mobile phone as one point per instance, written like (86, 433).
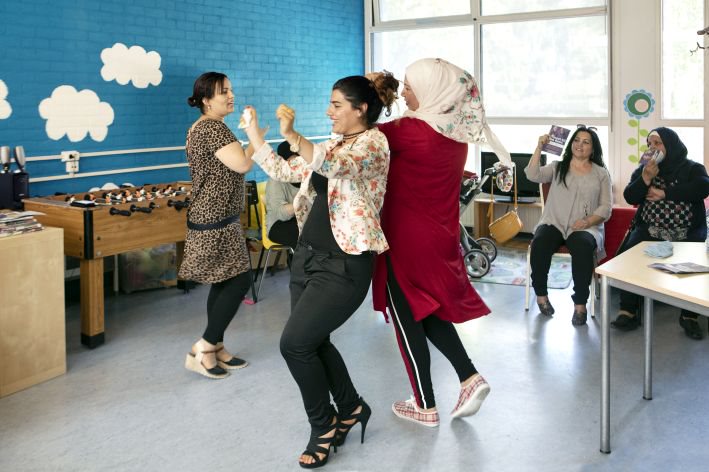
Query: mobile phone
(654, 154)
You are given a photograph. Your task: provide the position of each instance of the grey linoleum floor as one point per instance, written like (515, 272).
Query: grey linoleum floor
(131, 406)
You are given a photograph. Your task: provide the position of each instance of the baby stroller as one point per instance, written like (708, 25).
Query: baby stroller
(478, 254)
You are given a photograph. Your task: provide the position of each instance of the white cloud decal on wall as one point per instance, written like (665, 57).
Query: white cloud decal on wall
(131, 64)
(5, 108)
(75, 114)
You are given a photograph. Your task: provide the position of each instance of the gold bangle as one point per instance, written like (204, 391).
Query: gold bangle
(296, 147)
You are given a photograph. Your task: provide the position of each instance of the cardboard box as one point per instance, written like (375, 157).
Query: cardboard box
(149, 268)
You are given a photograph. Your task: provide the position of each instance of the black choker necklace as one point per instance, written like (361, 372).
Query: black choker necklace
(348, 136)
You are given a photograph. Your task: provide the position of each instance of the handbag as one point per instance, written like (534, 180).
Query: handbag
(508, 225)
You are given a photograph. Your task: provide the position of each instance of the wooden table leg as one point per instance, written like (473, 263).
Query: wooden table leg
(91, 282)
(480, 228)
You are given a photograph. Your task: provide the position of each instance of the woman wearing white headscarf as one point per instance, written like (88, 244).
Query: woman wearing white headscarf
(422, 279)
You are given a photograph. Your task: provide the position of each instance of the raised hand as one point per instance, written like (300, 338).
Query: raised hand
(543, 139)
(251, 127)
(650, 170)
(286, 117)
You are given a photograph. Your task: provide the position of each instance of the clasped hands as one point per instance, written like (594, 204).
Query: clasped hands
(583, 223)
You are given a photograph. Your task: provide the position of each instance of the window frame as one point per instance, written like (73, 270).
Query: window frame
(374, 25)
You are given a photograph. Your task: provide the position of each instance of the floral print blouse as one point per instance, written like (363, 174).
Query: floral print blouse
(356, 174)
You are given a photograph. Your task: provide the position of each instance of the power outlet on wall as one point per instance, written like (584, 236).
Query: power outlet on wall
(72, 167)
(72, 161)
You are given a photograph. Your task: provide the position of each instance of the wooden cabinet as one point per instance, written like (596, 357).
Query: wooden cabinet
(32, 324)
(529, 213)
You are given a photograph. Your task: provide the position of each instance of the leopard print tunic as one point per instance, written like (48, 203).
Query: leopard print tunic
(213, 255)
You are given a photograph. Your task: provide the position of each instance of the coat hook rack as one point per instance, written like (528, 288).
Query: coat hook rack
(703, 32)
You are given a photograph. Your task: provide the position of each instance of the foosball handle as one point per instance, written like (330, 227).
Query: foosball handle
(134, 208)
(116, 211)
(178, 204)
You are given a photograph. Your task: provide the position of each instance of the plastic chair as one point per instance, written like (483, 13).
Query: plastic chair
(268, 246)
(544, 192)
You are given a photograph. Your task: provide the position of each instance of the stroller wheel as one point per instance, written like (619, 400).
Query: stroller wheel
(476, 263)
(488, 247)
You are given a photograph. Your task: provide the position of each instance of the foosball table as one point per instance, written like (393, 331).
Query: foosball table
(110, 222)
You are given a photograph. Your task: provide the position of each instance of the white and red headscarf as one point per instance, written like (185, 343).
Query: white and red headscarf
(450, 102)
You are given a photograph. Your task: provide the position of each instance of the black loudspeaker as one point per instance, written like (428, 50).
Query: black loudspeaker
(14, 186)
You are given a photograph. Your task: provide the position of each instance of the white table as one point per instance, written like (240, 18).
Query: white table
(629, 271)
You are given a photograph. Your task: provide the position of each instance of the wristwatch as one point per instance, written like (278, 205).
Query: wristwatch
(296, 147)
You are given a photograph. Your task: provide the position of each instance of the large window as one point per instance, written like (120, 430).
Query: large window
(682, 71)
(683, 82)
(554, 68)
(397, 49)
(538, 62)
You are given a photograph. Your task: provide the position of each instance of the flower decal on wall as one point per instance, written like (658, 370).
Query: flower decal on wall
(638, 104)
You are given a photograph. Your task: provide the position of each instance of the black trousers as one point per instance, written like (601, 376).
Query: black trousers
(412, 335)
(326, 289)
(629, 301)
(222, 303)
(582, 246)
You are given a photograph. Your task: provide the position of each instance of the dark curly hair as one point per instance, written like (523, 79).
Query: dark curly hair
(378, 94)
(596, 155)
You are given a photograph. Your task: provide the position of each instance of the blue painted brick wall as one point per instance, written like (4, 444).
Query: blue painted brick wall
(273, 51)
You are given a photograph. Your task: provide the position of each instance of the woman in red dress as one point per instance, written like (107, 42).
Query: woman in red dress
(422, 278)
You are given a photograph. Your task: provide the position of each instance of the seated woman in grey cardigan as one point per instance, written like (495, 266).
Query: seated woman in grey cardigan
(280, 216)
(578, 204)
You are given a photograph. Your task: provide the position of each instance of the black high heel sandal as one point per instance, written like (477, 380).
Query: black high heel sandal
(320, 445)
(362, 418)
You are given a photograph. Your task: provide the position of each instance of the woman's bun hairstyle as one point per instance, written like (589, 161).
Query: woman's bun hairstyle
(386, 86)
(204, 87)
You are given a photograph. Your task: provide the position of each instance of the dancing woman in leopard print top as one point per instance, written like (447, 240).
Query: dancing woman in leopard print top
(215, 248)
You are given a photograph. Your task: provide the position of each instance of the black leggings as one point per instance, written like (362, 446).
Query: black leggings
(222, 303)
(284, 232)
(326, 290)
(582, 246)
(411, 336)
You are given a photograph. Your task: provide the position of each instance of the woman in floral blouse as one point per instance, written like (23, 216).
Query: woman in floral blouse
(337, 208)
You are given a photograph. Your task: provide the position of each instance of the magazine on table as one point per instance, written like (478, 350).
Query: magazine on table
(681, 268)
(19, 222)
(557, 139)
(18, 215)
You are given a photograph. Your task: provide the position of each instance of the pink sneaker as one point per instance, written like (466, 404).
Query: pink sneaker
(471, 397)
(409, 410)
